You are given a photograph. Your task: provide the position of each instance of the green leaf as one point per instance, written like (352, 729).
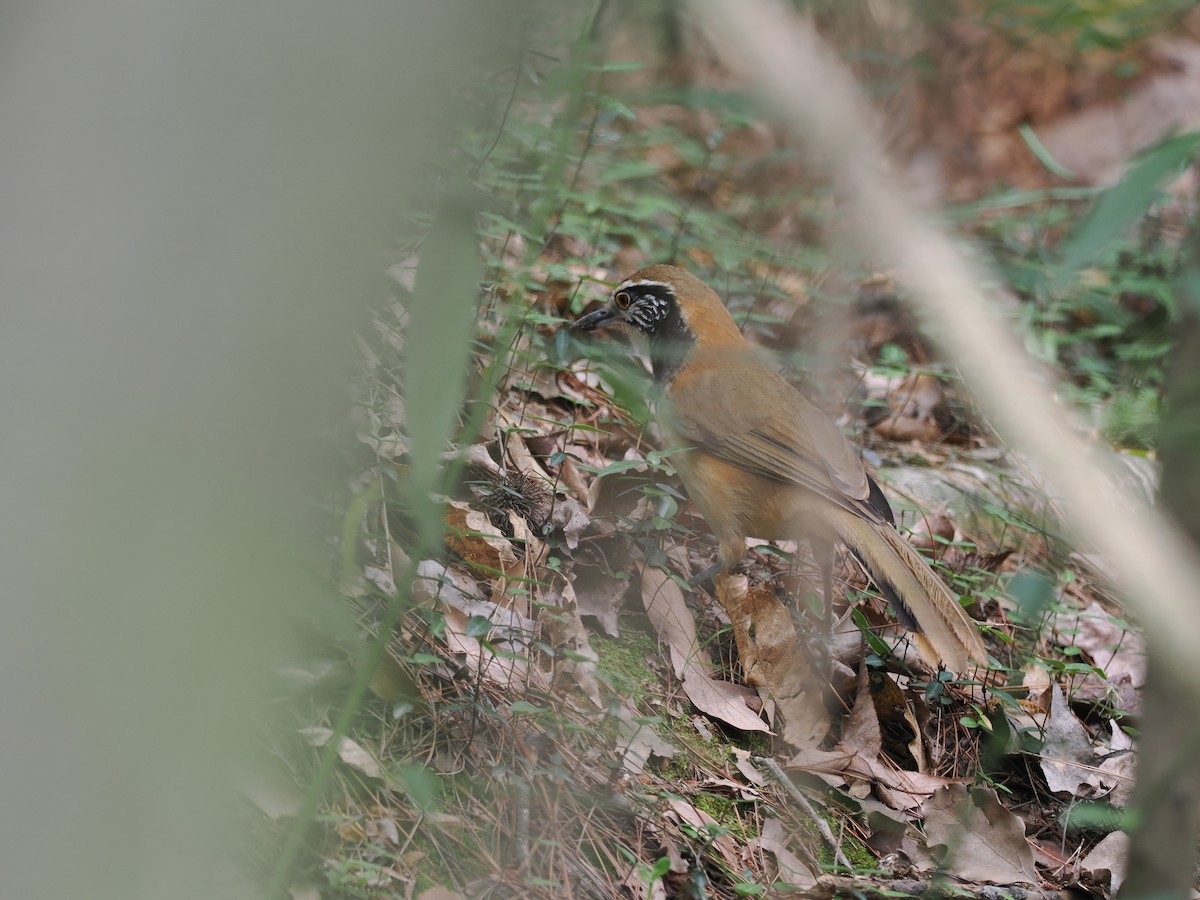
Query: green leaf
(1123, 204)
(621, 465)
(661, 867)
(746, 889)
(478, 626)
(519, 707)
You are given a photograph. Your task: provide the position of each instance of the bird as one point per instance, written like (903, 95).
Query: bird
(763, 461)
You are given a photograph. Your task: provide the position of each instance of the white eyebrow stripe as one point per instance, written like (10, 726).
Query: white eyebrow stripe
(633, 284)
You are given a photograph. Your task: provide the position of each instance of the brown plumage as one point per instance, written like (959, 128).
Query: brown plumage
(767, 463)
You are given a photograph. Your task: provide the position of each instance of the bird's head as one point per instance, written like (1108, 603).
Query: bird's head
(671, 307)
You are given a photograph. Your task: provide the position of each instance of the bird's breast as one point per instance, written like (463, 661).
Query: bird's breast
(739, 504)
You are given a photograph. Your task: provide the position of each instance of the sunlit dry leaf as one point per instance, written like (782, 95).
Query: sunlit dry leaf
(1068, 757)
(518, 451)
(676, 627)
(351, 753)
(773, 659)
(569, 516)
(439, 893)
(381, 578)
(860, 733)
(404, 273)
(505, 671)
(1106, 863)
(641, 741)
(1119, 768)
(720, 699)
(741, 759)
(600, 595)
(829, 765)
(687, 814)
(471, 535)
(1036, 680)
(855, 763)
(1117, 651)
(977, 839)
(789, 869)
(476, 456)
(387, 446)
(895, 787)
(559, 614)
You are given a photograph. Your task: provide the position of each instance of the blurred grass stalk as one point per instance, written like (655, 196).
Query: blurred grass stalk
(197, 205)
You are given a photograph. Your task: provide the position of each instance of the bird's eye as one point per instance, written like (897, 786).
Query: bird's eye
(622, 300)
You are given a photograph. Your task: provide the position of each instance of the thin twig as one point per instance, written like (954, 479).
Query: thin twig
(794, 793)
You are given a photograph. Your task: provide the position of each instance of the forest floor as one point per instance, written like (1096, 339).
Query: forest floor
(568, 707)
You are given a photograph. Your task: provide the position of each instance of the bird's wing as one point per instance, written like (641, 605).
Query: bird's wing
(743, 412)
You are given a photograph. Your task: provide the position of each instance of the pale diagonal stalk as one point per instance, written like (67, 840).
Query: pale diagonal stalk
(812, 92)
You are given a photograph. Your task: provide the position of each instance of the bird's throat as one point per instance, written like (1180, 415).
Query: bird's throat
(670, 344)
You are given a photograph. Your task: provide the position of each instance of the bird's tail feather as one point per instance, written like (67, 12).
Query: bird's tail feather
(923, 604)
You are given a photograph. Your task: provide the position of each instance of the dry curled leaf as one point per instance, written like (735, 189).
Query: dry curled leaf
(1112, 648)
(676, 627)
(687, 814)
(977, 839)
(351, 753)
(774, 660)
(789, 869)
(1068, 757)
(1106, 863)
(471, 534)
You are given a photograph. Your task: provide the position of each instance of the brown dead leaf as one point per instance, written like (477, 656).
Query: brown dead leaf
(599, 595)
(859, 774)
(774, 660)
(471, 535)
(741, 759)
(788, 869)
(863, 771)
(975, 838)
(1106, 863)
(351, 753)
(860, 733)
(1068, 757)
(1114, 649)
(916, 404)
(887, 828)
(569, 517)
(676, 627)
(1119, 768)
(558, 612)
(932, 532)
(439, 893)
(504, 671)
(687, 814)
(641, 742)
(895, 787)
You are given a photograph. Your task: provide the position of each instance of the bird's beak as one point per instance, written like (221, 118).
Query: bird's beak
(594, 320)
